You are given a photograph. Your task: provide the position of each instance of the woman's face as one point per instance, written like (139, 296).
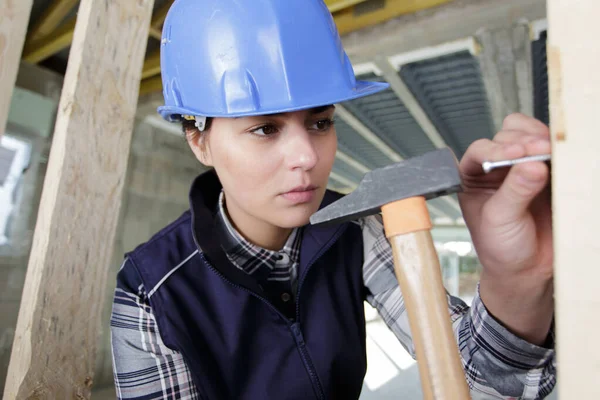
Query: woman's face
(274, 168)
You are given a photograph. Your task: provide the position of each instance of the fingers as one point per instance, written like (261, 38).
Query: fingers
(521, 186)
(487, 150)
(521, 136)
(525, 124)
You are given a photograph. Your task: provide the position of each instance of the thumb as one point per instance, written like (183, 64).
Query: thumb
(522, 184)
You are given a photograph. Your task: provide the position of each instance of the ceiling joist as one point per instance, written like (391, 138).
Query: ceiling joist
(38, 50)
(151, 65)
(338, 5)
(51, 19)
(352, 19)
(158, 19)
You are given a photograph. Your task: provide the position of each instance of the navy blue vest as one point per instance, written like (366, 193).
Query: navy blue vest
(236, 344)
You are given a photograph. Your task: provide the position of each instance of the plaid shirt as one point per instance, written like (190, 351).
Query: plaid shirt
(498, 364)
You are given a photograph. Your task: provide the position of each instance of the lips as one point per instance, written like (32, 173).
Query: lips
(300, 194)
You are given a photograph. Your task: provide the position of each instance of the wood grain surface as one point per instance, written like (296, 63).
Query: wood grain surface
(14, 19)
(59, 320)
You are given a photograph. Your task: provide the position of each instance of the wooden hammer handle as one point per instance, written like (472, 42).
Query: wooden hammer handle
(417, 268)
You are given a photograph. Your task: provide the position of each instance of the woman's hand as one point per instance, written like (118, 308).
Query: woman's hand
(509, 216)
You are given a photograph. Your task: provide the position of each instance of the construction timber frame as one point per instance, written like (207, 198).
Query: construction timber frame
(55, 341)
(59, 319)
(573, 65)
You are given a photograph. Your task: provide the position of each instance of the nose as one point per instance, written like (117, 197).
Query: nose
(301, 151)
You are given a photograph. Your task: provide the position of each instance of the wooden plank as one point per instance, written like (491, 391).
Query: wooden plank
(40, 49)
(151, 85)
(51, 19)
(338, 5)
(14, 18)
(348, 20)
(573, 65)
(155, 33)
(151, 65)
(59, 320)
(158, 19)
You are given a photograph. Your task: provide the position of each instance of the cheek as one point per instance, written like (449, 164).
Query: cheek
(244, 169)
(327, 149)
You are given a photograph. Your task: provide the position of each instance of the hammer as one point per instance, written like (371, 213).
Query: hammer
(400, 192)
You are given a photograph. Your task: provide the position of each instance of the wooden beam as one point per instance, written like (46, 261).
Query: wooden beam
(59, 319)
(348, 20)
(14, 18)
(151, 65)
(338, 5)
(38, 50)
(573, 65)
(51, 19)
(158, 19)
(155, 33)
(151, 85)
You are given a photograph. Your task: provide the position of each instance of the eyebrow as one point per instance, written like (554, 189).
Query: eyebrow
(312, 111)
(319, 110)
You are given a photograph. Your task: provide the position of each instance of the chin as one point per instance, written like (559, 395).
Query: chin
(295, 218)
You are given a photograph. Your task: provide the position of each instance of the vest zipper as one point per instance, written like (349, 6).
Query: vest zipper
(294, 327)
(329, 244)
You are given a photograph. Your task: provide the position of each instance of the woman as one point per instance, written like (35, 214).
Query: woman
(240, 298)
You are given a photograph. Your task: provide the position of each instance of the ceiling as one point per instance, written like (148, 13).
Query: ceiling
(438, 96)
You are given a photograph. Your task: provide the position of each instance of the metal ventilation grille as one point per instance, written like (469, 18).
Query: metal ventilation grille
(451, 92)
(357, 147)
(347, 171)
(385, 115)
(540, 78)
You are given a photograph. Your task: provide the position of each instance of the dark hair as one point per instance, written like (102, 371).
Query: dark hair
(191, 131)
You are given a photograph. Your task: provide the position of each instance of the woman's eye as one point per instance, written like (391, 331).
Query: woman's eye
(323, 124)
(265, 130)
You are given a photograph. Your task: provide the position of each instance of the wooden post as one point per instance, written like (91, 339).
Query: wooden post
(573, 65)
(14, 19)
(55, 340)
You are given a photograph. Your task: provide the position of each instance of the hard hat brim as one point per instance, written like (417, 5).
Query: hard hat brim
(362, 89)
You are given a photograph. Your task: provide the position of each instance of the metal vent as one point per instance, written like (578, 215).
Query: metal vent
(357, 147)
(385, 115)
(451, 92)
(540, 78)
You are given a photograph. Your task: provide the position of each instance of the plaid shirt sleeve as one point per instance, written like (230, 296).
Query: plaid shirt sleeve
(498, 364)
(144, 368)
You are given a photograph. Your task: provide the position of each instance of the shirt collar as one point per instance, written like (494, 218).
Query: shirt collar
(248, 257)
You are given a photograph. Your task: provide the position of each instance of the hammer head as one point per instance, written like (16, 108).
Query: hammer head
(430, 175)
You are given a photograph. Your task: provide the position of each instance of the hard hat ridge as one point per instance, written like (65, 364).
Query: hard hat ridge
(233, 58)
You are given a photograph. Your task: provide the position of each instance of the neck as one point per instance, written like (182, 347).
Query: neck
(257, 232)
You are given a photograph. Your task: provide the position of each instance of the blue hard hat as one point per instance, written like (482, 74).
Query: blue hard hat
(233, 58)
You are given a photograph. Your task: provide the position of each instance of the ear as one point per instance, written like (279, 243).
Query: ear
(201, 149)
